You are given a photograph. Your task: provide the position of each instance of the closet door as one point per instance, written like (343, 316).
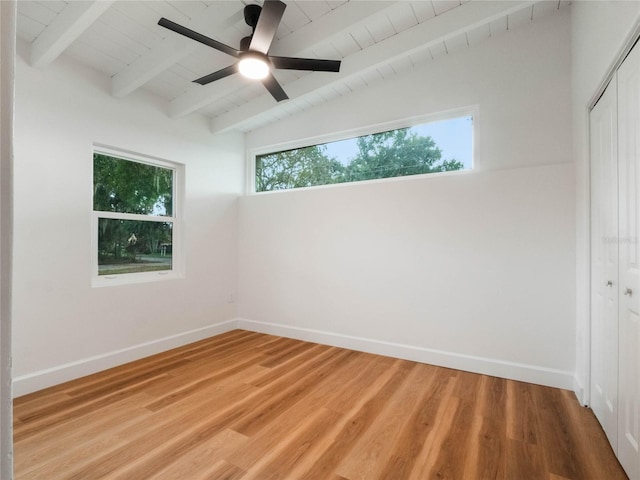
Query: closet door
(629, 321)
(604, 263)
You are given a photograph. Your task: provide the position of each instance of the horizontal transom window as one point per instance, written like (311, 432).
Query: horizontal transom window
(437, 146)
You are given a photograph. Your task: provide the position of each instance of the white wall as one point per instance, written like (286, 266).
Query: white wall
(63, 327)
(473, 270)
(599, 31)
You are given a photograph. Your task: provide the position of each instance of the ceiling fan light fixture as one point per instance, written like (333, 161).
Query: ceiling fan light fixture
(254, 66)
(254, 61)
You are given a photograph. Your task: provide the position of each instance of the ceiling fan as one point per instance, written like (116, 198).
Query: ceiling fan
(253, 56)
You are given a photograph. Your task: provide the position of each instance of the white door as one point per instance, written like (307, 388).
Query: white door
(604, 263)
(629, 219)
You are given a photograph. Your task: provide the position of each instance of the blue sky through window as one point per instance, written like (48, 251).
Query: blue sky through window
(453, 136)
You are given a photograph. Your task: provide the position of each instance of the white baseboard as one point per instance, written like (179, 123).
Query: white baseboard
(487, 366)
(62, 373)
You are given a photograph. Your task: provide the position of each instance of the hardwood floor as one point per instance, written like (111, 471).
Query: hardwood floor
(246, 406)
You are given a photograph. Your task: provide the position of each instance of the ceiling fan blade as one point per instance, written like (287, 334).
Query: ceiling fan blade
(268, 21)
(316, 65)
(212, 77)
(198, 37)
(274, 88)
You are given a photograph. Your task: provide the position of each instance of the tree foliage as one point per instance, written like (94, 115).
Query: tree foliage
(301, 167)
(397, 153)
(389, 154)
(131, 187)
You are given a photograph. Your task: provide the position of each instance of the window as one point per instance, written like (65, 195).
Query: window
(438, 146)
(135, 223)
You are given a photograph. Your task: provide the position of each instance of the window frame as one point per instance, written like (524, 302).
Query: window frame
(177, 255)
(372, 129)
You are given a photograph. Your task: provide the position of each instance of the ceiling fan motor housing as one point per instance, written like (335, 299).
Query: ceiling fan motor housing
(251, 15)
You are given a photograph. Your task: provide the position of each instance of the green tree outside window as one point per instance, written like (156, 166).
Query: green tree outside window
(394, 153)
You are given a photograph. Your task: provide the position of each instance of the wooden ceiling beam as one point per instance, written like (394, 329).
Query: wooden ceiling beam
(68, 25)
(466, 17)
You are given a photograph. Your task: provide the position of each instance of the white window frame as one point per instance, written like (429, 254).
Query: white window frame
(177, 254)
(373, 129)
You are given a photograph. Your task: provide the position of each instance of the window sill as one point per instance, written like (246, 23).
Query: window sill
(133, 278)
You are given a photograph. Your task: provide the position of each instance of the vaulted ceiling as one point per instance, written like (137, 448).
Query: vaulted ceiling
(375, 40)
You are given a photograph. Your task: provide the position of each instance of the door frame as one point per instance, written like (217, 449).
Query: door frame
(631, 39)
(8, 15)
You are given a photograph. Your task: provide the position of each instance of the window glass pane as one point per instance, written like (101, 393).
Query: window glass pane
(131, 187)
(433, 147)
(130, 246)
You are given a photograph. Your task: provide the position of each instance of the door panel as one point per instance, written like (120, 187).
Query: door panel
(604, 263)
(629, 299)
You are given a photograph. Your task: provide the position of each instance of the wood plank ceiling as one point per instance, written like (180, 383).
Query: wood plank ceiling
(375, 40)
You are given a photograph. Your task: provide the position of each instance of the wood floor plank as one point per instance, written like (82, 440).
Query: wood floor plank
(69, 456)
(21, 409)
(557, 429)
(525, 460)
(291, 454)
(279, 404)
(419, 427)
(491, 442)
(222, 471)
(160, 431)
(244, 412)
(492, 454)
(206, 460)
(188, 388)
(70, 411)
(286, 354)
(365, 379)
(38, 449)
(268, 443)
(522, 421)
(446, 409)
(315, 443)
(371, 453)
(454, 446)
(275, 373)
(472, 456)
(495, 394)
(249, 406)
(356, 425)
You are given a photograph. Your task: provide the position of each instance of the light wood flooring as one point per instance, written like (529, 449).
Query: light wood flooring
(245, 406)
